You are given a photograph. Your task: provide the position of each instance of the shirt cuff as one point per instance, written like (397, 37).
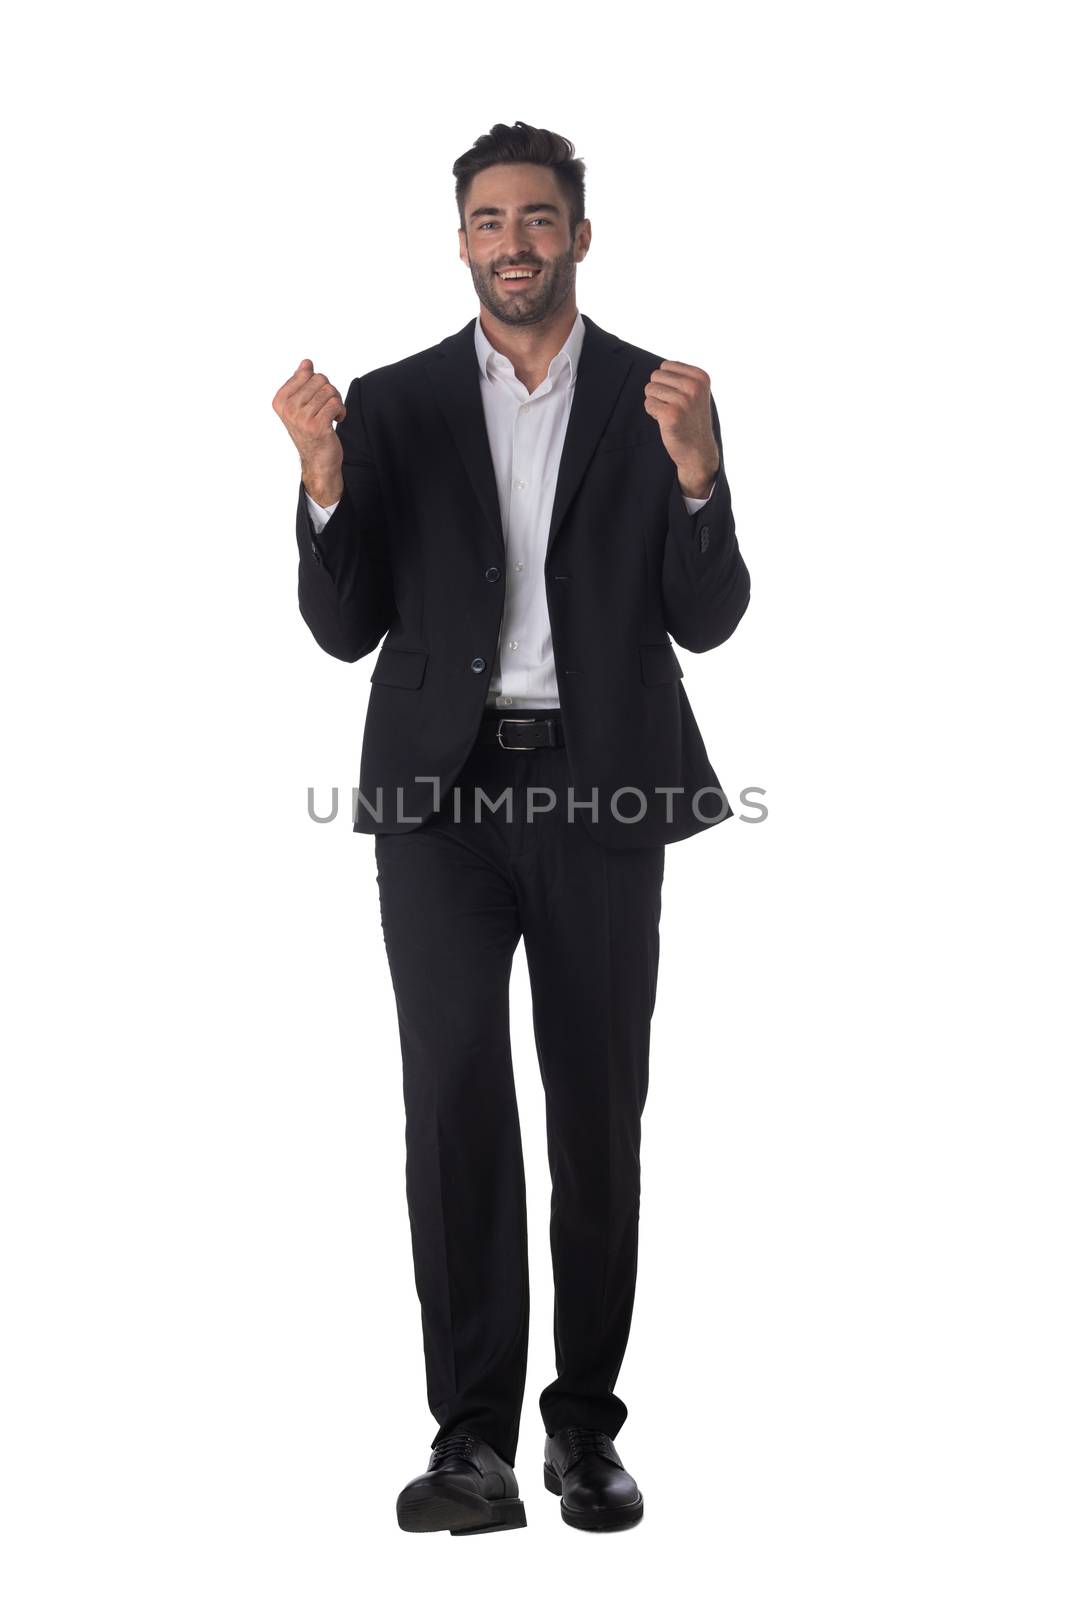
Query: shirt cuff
(320, 515)
(692, 505)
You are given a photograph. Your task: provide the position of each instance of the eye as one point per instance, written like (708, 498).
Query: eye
(546, 220)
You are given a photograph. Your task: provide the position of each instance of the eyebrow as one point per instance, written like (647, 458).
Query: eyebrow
(498, 211)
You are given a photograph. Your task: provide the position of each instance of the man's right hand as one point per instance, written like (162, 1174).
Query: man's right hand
(308, 404)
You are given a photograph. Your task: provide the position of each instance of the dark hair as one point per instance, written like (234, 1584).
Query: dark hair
(521, 142)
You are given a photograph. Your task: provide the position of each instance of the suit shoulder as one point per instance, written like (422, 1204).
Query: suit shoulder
(395, 375)
(645, 361)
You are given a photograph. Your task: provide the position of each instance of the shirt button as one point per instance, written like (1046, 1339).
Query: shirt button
(519, 565)
(520, 483)
(478, 664)
(492, 573)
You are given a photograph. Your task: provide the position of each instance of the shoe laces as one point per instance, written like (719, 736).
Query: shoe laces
(454, 1447)
(583, 1439)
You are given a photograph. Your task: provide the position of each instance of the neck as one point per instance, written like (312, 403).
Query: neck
(530, 349)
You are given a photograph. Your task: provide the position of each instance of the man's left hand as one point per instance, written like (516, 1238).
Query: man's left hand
(679, 397)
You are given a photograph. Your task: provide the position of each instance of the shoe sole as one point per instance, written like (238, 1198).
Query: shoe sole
(604, 1519)
(459, 1511)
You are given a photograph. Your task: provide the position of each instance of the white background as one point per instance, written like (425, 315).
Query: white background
(846, 1374)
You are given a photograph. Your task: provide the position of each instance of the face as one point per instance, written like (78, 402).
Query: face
(517, 216)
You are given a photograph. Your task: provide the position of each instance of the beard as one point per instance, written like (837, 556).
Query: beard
(538, 300)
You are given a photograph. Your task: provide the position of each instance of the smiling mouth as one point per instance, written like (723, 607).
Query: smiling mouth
(509, 281)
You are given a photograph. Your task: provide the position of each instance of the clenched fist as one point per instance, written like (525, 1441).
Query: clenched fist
(679, 397)
(309, 405)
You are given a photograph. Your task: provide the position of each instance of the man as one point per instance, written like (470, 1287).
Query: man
(523, 512)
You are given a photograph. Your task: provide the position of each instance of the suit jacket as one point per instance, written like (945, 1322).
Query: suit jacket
(414, 558)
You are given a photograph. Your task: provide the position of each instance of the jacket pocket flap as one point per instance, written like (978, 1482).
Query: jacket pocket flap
(659, 664)
(402, 669)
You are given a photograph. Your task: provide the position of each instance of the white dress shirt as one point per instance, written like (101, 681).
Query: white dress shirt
(526, 433)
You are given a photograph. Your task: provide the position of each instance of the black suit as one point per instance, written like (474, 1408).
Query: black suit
(415, 550)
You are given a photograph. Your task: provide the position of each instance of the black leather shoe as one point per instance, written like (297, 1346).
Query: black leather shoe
(583, 1466)
(467, 1488)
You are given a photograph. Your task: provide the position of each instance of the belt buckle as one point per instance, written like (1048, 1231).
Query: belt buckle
(500, 741)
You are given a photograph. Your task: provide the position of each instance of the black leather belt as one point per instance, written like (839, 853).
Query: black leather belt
(521, 733)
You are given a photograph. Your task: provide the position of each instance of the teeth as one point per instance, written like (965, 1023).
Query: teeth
(515, 274)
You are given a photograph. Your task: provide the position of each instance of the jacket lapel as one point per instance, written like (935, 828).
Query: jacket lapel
(453, 370)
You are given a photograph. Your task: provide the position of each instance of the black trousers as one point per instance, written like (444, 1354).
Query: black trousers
(456, 896)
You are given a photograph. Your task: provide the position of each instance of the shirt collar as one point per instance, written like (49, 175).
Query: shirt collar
(492, 362)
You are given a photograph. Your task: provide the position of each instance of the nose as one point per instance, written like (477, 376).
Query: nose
(514, 245)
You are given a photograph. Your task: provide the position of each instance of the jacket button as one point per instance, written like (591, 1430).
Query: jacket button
(492, 573)
(478, 664)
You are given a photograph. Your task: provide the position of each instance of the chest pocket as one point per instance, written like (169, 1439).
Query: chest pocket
(400, 669)
(626, 438)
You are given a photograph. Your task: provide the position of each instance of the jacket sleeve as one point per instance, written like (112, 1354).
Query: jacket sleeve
(344, 583)
(705, 581)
